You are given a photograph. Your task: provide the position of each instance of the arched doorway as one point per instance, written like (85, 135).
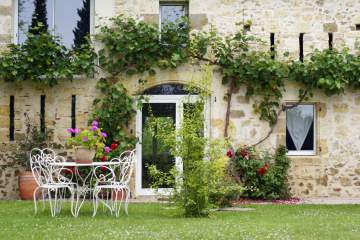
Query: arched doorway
(167, 102)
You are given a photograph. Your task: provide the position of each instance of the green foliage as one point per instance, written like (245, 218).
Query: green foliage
(43, 60)
(132, 47)
(241, 66)
(114, 110)
(264, 176)
(330, 70)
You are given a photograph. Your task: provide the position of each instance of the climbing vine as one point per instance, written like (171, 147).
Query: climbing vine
(130, 47)
(44, 60)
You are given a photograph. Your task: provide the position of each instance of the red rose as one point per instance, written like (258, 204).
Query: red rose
(103, 159)
(230, 153)
(103, 168)
(113, 146)
(261, 171)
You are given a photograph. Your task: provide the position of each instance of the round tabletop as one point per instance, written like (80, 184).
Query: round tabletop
(75, 164)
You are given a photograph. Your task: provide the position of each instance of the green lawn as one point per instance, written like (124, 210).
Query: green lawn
(156, 221)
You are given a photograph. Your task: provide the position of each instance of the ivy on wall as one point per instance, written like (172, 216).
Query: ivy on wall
(44, 60)
(128, 46)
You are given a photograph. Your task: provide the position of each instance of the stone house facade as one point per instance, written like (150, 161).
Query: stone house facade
(329, 164)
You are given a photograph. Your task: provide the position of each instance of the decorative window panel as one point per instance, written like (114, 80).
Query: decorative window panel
(300, 130)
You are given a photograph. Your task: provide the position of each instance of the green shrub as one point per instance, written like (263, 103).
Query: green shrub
(263, 175)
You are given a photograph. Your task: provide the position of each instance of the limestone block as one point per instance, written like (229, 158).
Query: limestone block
(237, 114)
(243, 99)
(198, 21)
(345, 181)
(151, 18)
(5, 11)
(330, 27)
(340, 107)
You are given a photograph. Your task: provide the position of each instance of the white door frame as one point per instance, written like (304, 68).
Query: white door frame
(178, 100)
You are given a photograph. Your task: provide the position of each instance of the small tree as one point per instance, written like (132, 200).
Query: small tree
(39, 18)
(82, 29)
(202, 181)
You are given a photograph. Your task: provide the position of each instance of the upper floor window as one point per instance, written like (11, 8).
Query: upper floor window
(67, 19)
(300, 130)
(171, 12)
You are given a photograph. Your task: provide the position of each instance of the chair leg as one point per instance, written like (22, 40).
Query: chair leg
(43, 195)
(127, 201)
(50, 202)
(95, 201)
(72, 192)
(34, 196)
(121, 199)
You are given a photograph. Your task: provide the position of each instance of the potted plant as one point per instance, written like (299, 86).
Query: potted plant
(88, 143)
(34, 138)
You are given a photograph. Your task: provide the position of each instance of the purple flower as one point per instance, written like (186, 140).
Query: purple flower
(76, 130)
(70, 130)
(104, 134)
(95, 123)
(85, 139)
(94, 128)
(107, 149)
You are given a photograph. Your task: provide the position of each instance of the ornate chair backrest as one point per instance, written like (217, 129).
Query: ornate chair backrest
(104, 175)
(124, 166)
(40, 163)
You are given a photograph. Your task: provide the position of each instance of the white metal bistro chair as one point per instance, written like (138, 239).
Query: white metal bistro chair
(50, 179)
(114, 183)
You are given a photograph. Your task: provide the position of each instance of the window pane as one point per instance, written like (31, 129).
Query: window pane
(68, 19)
(26, 12)
(154, 150)
(72, 21)
(172, 12)
(300, 128)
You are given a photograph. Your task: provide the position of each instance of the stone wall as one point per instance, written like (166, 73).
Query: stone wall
(333, 172)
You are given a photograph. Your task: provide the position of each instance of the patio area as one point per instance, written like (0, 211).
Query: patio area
(159, 221)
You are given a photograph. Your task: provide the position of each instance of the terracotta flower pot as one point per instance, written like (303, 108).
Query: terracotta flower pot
(27, 185)
(84, 155)
(118, 198)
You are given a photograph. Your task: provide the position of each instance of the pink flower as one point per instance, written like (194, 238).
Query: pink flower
(76, 130)
(95, 123)
(107, 149)
(94, 128)
(104, 134)
(85, 139)
(70, 130)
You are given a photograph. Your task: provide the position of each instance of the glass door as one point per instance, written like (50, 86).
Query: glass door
(154, 151)
(166, 103)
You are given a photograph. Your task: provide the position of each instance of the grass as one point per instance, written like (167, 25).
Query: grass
(157, 221)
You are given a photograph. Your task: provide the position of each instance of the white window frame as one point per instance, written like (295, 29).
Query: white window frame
(15, 21)
(172, 3)
(178, 100)
(304, 152)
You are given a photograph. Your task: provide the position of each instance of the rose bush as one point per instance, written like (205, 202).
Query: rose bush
(263, 175)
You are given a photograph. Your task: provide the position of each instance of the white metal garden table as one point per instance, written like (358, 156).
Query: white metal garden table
(83, 182)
